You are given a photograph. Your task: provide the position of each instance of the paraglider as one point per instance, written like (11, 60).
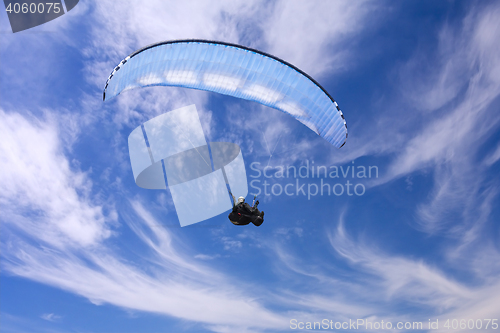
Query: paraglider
(233, 70)
(228, 69)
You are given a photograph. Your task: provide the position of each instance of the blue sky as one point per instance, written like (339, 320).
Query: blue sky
(86, 250)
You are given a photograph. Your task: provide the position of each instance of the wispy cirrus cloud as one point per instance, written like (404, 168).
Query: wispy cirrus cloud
(445, 91)
(449, 143)
(449, 122)
(400, 278)
(64, 236)
(50, 317)
(296, 32)
(41, 194)
(177, 287)
(341, 292)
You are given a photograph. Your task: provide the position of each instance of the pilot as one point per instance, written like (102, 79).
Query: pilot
(244, 214)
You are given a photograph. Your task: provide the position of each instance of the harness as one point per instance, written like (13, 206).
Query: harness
(238, 218)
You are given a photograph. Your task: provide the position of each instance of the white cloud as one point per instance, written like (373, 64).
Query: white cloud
(206, 256)
(377, 284)
(231, 244)
(415, 281)
(464, 124)
(288, 233)
(39, 192)
(445, 96)
(51, 203)
(459, 89)
(493, 157)
(170, 283)
(42, 196)
(50, 317)
(297, 32)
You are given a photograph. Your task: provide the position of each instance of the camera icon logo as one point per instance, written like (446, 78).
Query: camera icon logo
(171, 150)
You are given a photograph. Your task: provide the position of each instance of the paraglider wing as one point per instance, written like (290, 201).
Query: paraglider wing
(236, 71)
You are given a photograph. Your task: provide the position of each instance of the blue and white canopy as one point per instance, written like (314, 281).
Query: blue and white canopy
(236, 71)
